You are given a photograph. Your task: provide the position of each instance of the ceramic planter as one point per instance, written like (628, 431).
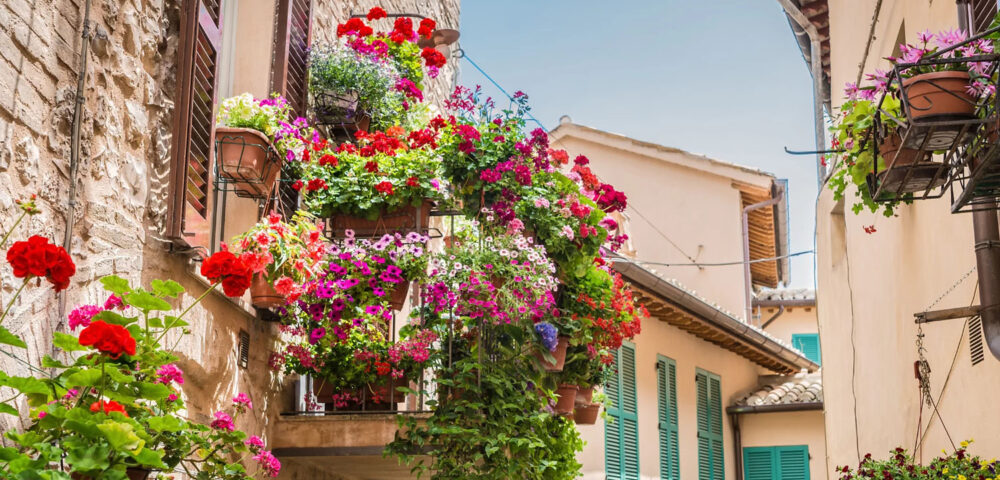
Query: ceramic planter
(587, 414)
(939, 94)
(263, 294)
(566, 402)
(892, 149)
(398, 295)
(559, 354)
(245, 160)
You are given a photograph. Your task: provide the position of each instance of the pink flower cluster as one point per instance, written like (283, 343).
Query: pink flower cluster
(169, 373)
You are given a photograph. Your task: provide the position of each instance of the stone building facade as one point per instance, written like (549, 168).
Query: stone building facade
(123, 192)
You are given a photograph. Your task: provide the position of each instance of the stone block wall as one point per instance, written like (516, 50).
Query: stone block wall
(121, 199)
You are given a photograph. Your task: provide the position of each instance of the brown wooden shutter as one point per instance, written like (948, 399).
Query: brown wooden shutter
(292, 37)
(193, 147)
(979, 14)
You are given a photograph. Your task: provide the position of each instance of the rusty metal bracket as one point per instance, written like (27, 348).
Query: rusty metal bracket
(946, 314)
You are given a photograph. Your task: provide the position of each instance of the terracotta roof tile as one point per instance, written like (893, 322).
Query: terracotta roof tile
(785, 390)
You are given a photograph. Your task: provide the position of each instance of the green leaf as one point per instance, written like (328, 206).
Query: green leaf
(116, 285)
(166, 424)
(114, 318)
(167, 288)
(117, 375)
(174, 322)
(4, 408)
(49, 362)
(8, 338)
(154, 391)
(88, 458)
(149, 458)
(67, 343)
(146, 301)
(85, 378)
(25, 384)
(121, 436)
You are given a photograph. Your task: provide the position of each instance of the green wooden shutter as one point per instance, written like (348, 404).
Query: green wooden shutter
(612, 428)
(776, 463)
(666, 387)
(630, 414)
(758, 463)
(793, 462)
(711, 463)
(621, 438)
(808, 343)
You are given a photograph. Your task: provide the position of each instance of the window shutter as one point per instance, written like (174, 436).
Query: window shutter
(292, 38)
(793, 462)
(711, 465)
(612, 429)
(981, 13)
(808, 343)
(758, 464)
(630, 414)
(667, 412)
(193, 145)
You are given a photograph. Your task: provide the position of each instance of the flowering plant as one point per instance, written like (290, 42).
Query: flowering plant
(384, 71)
(383, 173)
(270, 116)
(900, 465)
(340, 326)
(286, 254)
(118, 406)
(929, 45)
(603, 307)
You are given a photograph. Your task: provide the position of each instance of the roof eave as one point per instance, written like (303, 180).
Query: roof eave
(782, 407)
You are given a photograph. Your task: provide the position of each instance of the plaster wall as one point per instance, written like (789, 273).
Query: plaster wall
(788, 429)
(870, 285)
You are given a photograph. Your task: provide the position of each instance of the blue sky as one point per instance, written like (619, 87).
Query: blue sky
(723, 78)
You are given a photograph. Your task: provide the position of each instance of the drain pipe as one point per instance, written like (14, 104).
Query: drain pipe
(816, 69)
(737, 444)
(746, 247)
(987, 235)
(781, 310)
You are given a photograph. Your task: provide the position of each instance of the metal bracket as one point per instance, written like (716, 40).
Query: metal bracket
(946, 314)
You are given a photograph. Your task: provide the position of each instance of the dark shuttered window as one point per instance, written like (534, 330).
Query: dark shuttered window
(621, 433)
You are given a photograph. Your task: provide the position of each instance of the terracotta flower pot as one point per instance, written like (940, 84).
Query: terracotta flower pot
(587, 414)
(891, 148)
(566, 395)
(585, 396)
(406, 218)
(939, 94)
(245, 160)
(263, 294)
(559, 355)
(397, 297)
(341, 115)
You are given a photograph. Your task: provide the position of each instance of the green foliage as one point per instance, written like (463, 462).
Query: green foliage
(340, 71)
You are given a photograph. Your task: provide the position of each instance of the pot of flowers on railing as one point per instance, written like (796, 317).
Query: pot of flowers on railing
(253, 138)
(386, 183)
(586, 368)
(282, 256)
(371, 79)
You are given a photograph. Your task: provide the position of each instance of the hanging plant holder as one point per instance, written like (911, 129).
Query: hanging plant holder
(406, 219)
(247, 164)
(339, 115)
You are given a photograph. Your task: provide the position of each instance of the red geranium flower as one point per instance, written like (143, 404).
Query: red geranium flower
(371, 166)
(432, 57)
(297, 185)
(233, 273)
(376, 13)
(36, 257)
(316, 184)
(108, 338)
(328, 160)
(427, 26)
(412, 182)
(384, 187)
(107, 407)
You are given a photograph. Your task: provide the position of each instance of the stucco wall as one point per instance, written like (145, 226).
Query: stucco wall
(122, 177)
(869, 287)
(793, 320)
(736, 373)
(787, 429)
(700, 212)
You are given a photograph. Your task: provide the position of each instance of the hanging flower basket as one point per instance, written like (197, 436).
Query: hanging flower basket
(585, 396)
(587, 414)
(559, 354)
(566, 399)
(398, 295)
(246, 160)
(263, 294)
(891, 149)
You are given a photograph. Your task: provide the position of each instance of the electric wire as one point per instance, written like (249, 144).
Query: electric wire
(461, 54)
(719, 264)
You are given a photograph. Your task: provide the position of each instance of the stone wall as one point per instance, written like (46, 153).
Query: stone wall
(121, 182)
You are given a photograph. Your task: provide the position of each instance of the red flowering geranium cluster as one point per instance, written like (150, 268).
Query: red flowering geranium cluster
(225, 267)
(108, 406)
(365, 40)
(37, 258)
(613, 319)
(108, 338)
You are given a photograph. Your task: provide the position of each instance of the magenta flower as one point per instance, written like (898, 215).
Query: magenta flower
(242, 402)
(82, 315)
(170, 373)
(114, 301)
(223, 422)
(268, 463)
(254, 443)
